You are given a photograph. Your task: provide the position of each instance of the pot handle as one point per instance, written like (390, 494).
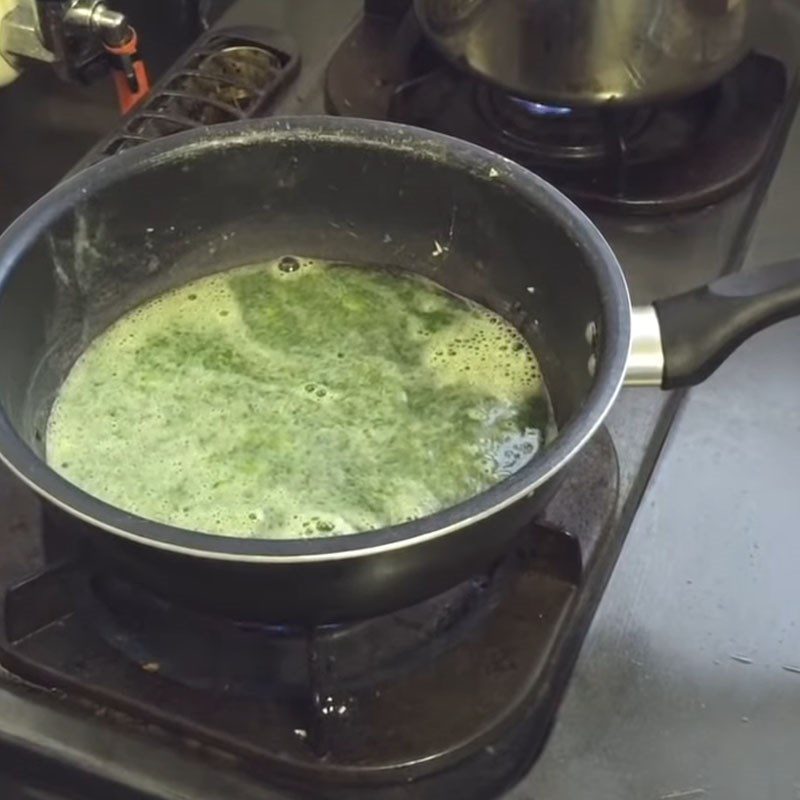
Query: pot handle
(699, 329)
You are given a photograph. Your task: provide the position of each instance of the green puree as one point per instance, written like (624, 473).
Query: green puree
(298, 398)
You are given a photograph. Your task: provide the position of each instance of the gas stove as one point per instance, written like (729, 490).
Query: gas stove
(106, 690)
(648, 159)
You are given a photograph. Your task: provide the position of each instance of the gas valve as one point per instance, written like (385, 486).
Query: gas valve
(120, 43)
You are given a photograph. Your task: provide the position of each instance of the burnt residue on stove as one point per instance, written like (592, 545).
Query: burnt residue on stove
(456, 694)
(683, 154)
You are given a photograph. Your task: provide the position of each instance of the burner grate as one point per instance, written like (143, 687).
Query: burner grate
(560, 135)
(230, 74)
(214, 654)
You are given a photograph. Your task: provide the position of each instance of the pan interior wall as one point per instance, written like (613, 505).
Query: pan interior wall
(202, 210)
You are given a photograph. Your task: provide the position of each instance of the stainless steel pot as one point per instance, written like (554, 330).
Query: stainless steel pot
(593, 52)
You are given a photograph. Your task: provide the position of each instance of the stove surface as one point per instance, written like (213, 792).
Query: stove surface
(455, 694)
(94, 744)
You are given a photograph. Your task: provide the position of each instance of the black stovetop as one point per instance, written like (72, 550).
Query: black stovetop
(454, 697)
(456, 694)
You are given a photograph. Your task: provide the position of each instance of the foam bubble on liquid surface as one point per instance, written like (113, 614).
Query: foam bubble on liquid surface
(298, 398)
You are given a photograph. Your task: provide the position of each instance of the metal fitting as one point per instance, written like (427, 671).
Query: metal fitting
(94, 16)
(646, 359)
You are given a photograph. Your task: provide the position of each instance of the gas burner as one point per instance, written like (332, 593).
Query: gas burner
(684, 154)
(245, 658)
(557, 135)
(535, 109)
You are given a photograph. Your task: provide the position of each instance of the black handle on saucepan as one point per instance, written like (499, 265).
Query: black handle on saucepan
(701, 328)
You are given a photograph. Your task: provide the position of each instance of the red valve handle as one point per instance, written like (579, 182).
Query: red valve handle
(129, 72)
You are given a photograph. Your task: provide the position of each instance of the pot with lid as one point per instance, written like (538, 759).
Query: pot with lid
(594, 52)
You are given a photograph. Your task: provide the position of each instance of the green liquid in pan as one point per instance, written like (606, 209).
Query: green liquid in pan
(298, 398)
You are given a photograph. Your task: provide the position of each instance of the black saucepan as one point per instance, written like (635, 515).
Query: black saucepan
(155, 217)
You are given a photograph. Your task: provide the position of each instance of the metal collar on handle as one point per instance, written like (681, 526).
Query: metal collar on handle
(646, 360)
